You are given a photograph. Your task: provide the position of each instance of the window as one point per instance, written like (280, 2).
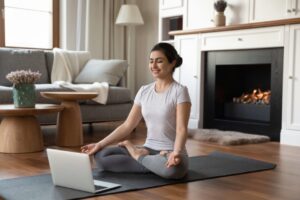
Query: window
(29, 23)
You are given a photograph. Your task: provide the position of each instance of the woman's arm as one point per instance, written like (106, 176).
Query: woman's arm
(182, 118)
(119, 133)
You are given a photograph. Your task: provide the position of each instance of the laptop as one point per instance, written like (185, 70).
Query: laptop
(73, 170)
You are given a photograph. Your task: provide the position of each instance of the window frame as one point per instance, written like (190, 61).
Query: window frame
(55, 21)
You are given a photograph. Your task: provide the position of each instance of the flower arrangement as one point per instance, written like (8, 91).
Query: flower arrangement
(23, 76)
(220, 5)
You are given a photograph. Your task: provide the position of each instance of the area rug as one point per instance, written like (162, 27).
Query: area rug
(214, 165)
(226, 137)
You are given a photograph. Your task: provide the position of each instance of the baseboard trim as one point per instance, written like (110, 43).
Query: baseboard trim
(193, 123)
(290, 137)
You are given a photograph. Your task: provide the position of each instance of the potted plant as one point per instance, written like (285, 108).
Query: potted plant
(23, 87)
(220, 6)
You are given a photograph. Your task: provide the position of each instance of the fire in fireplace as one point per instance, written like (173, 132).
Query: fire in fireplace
(255, 97)
(254, 105)
(237, 91)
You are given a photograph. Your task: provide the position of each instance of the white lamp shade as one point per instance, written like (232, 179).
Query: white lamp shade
(129, 14)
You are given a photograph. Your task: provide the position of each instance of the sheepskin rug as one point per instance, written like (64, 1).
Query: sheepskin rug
(226, 137)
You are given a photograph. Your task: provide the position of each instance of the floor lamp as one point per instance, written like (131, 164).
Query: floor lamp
(130, 16)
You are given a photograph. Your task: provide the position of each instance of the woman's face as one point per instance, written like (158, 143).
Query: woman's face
(160, 66)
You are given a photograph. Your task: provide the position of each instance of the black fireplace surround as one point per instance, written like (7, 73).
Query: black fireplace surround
(228, 74)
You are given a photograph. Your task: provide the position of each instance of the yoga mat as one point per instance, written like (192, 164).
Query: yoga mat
(216, 164)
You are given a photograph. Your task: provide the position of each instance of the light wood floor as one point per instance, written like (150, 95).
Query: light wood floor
(283, 183)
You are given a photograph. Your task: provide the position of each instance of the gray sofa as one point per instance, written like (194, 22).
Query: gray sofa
(119, 101)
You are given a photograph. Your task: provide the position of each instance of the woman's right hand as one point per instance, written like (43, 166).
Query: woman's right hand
(91, 148)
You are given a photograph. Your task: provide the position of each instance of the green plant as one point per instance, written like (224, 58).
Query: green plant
(220, 5)
(23, 76)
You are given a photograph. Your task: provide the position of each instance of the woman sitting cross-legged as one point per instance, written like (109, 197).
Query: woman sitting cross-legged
(165, 106)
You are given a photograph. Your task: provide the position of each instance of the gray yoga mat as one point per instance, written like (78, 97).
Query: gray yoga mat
(216, 164)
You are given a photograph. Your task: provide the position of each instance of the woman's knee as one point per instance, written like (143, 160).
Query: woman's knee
(178, 171)
(174, 172)
(101, 157)
(110, 151)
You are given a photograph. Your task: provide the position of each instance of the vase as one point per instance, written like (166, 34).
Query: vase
(220, 19)
(24, 95)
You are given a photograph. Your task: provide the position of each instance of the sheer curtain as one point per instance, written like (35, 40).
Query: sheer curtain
(96, 30)
(103, 38)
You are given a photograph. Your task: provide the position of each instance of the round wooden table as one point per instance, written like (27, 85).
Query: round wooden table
(20, 131)
(69, 122)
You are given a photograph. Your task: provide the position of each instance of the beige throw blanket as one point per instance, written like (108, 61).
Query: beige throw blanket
(100, 88)
(67, 64)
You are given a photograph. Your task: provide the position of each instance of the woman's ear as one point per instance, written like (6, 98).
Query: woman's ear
(174, 63)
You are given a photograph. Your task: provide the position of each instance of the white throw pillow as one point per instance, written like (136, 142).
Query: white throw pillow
(95, 70)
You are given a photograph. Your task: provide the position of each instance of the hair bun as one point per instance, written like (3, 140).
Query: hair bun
(178, 61)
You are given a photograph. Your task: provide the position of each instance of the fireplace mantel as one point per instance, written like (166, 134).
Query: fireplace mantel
(237, 27)
(193, 44)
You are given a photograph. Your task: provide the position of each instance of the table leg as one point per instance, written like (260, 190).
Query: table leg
(69, 125)
(20, 135)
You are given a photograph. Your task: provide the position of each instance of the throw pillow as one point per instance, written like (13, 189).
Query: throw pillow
(95, 70)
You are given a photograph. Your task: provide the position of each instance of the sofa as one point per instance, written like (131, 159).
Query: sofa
(119, 100)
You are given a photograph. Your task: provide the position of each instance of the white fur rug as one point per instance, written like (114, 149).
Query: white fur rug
(226, 137)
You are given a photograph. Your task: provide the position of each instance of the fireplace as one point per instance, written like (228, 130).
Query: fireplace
(243, 91)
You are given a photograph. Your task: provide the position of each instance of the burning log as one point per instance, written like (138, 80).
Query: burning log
(256, 97)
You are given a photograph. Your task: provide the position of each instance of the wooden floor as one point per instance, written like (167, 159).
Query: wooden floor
(283, 183)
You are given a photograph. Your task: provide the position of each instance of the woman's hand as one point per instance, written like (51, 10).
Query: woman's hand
(173, 159)
(91, 148)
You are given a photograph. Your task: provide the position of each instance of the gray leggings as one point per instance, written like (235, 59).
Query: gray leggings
(118, 159)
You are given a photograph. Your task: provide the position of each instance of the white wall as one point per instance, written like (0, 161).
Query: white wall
(146, 38)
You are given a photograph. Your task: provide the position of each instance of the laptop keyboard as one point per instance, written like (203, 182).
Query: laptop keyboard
(98, 187)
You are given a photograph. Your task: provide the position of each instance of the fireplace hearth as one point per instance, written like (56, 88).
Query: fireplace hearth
(243, 91)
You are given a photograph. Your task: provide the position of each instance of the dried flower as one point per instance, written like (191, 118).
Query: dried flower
(23, 76)
(220, 5)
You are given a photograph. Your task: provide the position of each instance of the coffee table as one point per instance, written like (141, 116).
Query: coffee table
(20, 131)
(69, 122)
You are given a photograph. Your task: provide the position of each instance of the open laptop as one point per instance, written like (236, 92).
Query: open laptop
(73, 170)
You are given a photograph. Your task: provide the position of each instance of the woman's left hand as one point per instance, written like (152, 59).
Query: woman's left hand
(173, 159)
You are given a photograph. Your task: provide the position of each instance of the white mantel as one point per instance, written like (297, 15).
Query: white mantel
(282, 34)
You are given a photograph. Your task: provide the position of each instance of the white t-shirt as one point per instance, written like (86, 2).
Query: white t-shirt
(159, 112)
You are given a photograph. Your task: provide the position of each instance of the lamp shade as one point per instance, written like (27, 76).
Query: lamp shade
(129, 14)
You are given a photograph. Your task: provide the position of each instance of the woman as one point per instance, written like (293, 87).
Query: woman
(165, 106)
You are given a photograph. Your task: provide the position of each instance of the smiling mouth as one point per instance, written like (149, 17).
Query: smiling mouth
(155, 70)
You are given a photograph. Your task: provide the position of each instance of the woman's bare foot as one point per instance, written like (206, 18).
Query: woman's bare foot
(163, 153)
(134, 151)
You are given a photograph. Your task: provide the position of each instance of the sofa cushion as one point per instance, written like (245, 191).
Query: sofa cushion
(49, 62)
(116, 95)
(119, 95)
(22, 59)
(48, 88)
(5, 95)
(95, 70)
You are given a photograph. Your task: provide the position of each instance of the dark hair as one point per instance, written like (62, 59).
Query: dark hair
(170, 52)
